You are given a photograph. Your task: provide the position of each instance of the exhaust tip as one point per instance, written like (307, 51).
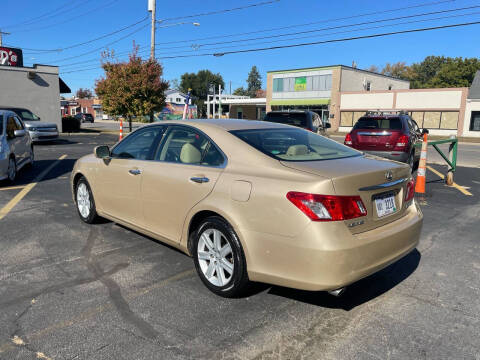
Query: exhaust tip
(337, 292)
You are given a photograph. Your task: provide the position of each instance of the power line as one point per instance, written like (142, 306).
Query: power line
(221, 11)
(327, 28)
(310, 31)
(313, 43)
(339, 32)
(39, 17)
(311, 23)
(56, 23)
(347, 39)
(50, 15)
(106, 45)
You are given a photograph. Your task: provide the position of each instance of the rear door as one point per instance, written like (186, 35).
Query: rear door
(184, 172)
(23, 141)
(376, 133)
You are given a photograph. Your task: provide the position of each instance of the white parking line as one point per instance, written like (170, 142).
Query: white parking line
(11, 204)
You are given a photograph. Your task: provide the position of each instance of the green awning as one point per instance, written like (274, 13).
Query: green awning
(300, 102)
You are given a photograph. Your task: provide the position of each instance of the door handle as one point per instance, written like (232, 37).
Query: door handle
(135, 171)
(200, 179)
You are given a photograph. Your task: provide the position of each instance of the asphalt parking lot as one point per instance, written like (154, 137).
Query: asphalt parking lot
(74, 291)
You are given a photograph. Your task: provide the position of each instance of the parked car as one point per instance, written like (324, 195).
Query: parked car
(392, 136)
(16, 149)
(308, 120)
(38, 130)
(254, 200)
(85, 117)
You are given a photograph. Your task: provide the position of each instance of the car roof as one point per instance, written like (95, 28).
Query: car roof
(227, 124)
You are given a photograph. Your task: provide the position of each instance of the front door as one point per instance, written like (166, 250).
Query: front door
(119, 179)
(184, 172)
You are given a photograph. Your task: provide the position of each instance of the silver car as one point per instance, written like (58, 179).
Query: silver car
(16, 149)
(39, 130)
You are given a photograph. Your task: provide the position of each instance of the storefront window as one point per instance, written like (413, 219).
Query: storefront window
(475, 121)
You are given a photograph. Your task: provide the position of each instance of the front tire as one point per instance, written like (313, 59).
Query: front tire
(85, 202)
(12, 169)
(219, 258)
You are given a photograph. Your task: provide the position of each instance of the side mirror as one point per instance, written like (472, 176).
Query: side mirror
(425, 131)
(19, 133)
(102, 152)
(328, 125)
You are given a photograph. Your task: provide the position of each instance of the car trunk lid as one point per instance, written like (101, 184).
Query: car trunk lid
(369, 177)
(375, 139)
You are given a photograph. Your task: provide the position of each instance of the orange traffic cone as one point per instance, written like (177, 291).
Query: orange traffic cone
(120, 136)
(422, 166)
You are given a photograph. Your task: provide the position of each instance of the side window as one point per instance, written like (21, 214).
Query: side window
(11, 127)
(415, 126)
(187, 146)
(140, 145)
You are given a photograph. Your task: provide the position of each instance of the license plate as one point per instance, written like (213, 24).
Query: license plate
(385, 206)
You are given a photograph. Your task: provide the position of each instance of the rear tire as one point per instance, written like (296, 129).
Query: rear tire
(85, 202)
(219, 258)
(411, 160)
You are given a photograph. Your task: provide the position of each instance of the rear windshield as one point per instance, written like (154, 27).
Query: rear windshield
(391, 123)
(295, 119)
(294, 144)
(88, 116)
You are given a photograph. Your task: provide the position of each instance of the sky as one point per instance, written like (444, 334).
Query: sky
(43, 28)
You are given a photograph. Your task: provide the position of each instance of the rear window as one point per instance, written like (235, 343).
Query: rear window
(89, 116)
(294, 144)
(295, 119)
(390, 123)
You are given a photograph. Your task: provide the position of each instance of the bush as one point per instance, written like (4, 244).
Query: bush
(70, 124)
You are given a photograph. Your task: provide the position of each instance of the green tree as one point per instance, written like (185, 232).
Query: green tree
(133, 88)
(240, 91)
(254, 82)
(422, 73)
(398, 70)
(455, 72)
(200, 83)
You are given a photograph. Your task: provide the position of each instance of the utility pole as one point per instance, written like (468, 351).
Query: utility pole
(152, 6)
(214, 102)
(230, 87)
(2, 33)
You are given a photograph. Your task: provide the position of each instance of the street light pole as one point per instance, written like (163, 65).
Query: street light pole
(152, 6)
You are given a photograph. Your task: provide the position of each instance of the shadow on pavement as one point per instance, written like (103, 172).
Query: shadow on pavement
(26, 175)
(359, 292)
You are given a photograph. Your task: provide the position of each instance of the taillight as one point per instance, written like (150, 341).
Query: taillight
(348, 140)
(402, 141)
(410, 190)
(328, 207)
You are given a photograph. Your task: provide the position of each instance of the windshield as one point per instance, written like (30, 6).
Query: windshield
(390, 123)
(295, 119)
(27, 115)
(294, 144)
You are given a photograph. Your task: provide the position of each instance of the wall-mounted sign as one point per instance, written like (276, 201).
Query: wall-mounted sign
(301, 83)
(11, 57)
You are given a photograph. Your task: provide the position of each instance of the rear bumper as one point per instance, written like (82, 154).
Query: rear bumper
(327, 257)
(391, 155)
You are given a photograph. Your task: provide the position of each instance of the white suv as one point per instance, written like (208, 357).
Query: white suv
(16, 149)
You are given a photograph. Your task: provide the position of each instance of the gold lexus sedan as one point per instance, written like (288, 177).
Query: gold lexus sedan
(254, 201)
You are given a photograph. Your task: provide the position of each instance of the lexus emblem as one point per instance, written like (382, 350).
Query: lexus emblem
(389, 175)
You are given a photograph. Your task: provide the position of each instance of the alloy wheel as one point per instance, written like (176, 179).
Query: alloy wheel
(83, 200)
(215, 257)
